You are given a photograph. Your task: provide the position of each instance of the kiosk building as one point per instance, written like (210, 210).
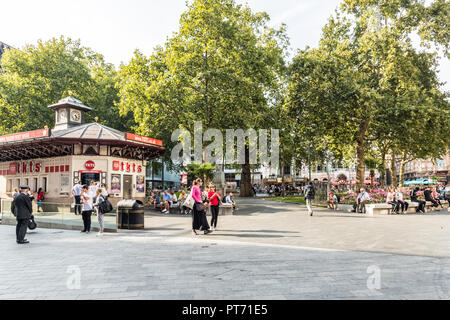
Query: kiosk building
(56, 159)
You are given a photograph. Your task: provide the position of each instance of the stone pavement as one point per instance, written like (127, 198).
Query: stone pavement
(273, 222)
(269, 262)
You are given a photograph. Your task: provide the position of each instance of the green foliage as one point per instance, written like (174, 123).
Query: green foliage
(205, 171)
(40, 75)
(222, 67)
(366, 87)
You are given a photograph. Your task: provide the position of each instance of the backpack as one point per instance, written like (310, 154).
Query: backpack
(224, 199)
(310, 192)
(338, 198)
(105, 206)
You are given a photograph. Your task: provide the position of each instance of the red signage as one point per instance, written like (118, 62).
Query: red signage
(25, 135)
(125, 166)
(24, 167)
(146, 140)
(89, 165)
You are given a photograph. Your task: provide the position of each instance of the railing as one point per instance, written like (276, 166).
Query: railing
(58, 216)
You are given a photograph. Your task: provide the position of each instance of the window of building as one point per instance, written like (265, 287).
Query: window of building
(44, 184)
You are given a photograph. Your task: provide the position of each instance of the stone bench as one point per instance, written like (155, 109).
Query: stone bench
(384, 208)
(226, 209)
(429, 206)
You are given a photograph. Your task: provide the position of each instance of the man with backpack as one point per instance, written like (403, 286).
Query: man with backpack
(310, 193)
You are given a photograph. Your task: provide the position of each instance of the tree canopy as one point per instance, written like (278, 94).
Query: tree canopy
(40, 75)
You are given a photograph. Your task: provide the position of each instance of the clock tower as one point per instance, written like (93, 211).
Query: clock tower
(69, 113)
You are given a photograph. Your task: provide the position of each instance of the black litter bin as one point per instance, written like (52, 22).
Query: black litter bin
(130, 214)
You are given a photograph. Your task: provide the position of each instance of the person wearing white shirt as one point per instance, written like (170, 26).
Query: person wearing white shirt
(391, 199)
(88, 207)
(401, 200)
(361, 200)
(76, 193)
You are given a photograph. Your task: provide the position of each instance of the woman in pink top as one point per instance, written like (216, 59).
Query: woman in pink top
(199, 221)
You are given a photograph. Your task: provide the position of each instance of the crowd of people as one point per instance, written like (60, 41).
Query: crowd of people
(169, 200)
(204, 198)
(395, 196)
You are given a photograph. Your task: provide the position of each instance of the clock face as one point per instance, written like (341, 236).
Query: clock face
(62, 116)
(75, 115)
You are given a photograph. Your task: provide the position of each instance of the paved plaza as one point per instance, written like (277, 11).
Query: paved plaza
(268, 250)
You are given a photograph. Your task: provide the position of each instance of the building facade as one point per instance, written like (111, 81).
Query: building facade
(73, 151)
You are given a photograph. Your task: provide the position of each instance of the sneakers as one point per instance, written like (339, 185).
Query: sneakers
(100, 234)
(164, 211)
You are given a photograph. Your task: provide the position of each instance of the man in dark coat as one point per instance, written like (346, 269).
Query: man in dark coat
(21, 207)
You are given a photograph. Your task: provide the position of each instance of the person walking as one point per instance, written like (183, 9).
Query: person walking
(76, 193)
(40, 198)
(87, 209)
(310, 193)
(214, 201)
(21, 208)
(98, 200)
(199, 221)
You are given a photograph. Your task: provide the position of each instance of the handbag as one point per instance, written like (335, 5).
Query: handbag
(200, 207)
(31, 223)
(189, 202)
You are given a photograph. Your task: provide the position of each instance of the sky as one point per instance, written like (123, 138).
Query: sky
(116, 28)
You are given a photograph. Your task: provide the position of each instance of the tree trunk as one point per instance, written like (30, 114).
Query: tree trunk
(372, 177)
(393, 170)
(402, 169)
(246, 186)
(360, 155)
(282, 173)
(383, 170)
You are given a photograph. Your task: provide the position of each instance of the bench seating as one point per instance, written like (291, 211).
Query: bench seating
(225, 209)
(383, 208)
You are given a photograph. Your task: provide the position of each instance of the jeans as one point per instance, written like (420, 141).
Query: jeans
(77, 204)
(309, 205)
(404, 205)
(214, 214)
(421, 206)
(100, 220)
(87, 220)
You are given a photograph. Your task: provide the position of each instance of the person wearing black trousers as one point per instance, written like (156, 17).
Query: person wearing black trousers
(214, 201)
(88, 208)
(21, 207)
(428, 196)
(414, 198)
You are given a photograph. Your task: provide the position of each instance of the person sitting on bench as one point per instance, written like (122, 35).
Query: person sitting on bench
(154, 200)
(428, 193)
(390, 199)
(361, 200)
(332, 201)
(401, 201)
(414, 198)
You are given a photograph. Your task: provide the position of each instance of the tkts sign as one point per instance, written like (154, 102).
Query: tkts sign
(25, 167)
(126, 167)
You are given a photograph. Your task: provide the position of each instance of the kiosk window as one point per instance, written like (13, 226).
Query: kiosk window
(86, 178)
